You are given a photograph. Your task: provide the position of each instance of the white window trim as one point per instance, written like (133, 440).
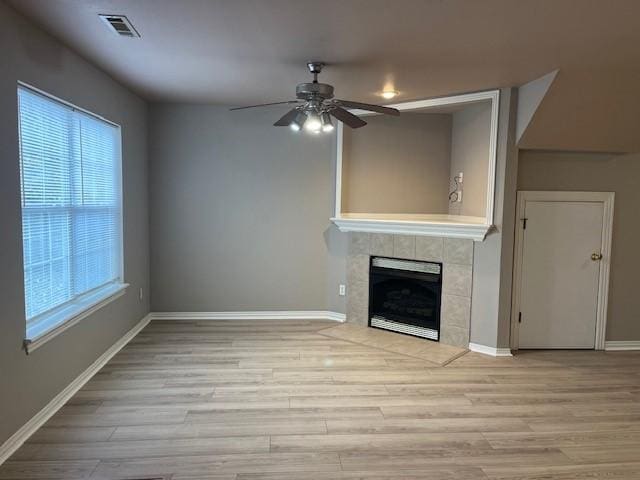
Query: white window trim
(67, 103)
(53, 322)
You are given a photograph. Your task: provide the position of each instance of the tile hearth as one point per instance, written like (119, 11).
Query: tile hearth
(456, 256)
(431, 352)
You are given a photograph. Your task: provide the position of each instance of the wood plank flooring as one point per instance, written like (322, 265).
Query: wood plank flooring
(267, 400)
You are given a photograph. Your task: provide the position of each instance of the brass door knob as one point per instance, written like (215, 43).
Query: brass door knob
(596, 256)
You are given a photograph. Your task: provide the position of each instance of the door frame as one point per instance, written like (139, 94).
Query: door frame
(607, 199)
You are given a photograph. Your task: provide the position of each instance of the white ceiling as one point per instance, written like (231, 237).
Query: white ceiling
(238, 52)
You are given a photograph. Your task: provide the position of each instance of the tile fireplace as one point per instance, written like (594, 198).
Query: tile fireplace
(453, 255)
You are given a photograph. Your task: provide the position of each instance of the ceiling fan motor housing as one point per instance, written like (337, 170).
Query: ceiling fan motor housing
(309, 91)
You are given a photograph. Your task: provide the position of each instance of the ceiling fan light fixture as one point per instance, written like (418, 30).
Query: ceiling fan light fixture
(298, 122)
(313, 123)
(327, 125)
(315, 105)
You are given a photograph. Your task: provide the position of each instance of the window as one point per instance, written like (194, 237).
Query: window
(71, 210)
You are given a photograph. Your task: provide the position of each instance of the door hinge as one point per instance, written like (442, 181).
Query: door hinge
(519, 317)
(524, 223)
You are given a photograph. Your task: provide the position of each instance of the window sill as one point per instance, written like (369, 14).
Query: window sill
(53, 325)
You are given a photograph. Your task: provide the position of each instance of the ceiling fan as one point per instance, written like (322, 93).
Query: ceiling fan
(316, 105)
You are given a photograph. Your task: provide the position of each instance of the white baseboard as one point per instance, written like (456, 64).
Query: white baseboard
(256, 315)
(17, 439)
(493, 351)
(622, 345)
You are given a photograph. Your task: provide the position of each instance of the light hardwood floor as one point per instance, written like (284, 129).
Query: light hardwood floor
(242, 400)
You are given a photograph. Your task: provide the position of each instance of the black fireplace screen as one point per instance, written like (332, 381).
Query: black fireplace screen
(404, 296)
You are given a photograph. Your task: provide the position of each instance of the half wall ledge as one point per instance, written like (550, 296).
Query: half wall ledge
(452, 226)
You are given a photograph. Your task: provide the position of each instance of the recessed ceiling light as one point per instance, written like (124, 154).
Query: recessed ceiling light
(389, 94)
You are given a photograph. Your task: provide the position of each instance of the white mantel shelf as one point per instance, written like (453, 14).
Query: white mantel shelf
(452, 226)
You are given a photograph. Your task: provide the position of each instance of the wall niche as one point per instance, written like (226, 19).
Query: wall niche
(430, 171)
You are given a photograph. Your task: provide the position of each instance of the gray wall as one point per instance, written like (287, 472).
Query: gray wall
(493, 258)
(397, 164)
(239, 212)
(337, 246)
(540, 170)
(470, 135)
(28, 383)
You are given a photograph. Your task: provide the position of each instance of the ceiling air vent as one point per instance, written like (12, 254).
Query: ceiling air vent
(120, 25)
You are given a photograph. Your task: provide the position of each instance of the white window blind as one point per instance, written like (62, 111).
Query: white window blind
(71, 207)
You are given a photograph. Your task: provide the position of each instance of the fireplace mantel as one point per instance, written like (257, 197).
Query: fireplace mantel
(452, 226)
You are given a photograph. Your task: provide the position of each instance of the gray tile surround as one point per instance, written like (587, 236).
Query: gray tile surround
(456, 279)
(430, 248)
(456, 256)
(459, 251)
(452, 335)
(381, 244)
(358, 243)
(456, 309)
(404, 246)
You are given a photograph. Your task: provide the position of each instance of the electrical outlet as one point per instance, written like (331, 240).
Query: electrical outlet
(140, 294)
(342, 290)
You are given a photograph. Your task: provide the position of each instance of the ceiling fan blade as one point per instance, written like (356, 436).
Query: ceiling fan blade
(265, 104)
(369, 107)
(346, 117)
(287, 118)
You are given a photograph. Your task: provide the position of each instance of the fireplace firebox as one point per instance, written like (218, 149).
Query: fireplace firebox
(404, 296)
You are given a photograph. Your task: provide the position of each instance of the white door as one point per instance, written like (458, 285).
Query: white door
(561, 261)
